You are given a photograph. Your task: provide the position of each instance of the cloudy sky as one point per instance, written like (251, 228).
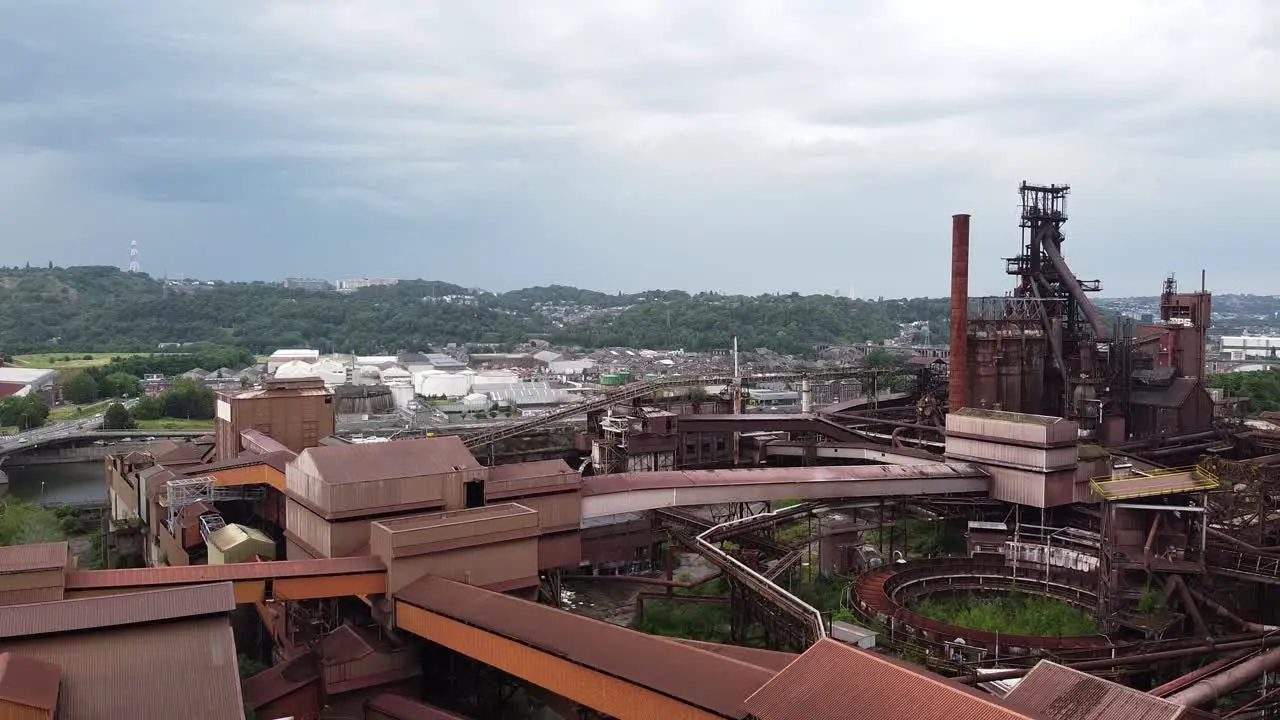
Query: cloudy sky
(754, 145)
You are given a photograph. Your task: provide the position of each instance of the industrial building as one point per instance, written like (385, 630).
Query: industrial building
(21, 382)
(385, 579)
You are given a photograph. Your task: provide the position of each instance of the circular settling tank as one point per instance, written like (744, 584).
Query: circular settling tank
(984, 603)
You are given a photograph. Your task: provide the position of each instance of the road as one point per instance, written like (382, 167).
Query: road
(53, 431)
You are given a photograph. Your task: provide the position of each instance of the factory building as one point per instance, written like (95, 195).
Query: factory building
(21, 382)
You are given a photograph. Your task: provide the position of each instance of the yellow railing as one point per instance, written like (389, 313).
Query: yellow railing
(1199, 479)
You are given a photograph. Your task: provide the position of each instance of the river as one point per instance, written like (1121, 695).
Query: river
(66, 484)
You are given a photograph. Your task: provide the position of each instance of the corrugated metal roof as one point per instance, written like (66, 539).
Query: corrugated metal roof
(535, 469)
(28, 681)
(831, 679)
(93, 613)
(148, 672)
(768, 659)
(1173, 396)
(33, 558)
(344, 645)
(397, 459)
(403, 708)
(281, 679)
(179, 575)
(1060, 693)
(707, 680)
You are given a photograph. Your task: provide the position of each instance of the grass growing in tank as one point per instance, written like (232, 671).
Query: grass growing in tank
(1009, 614)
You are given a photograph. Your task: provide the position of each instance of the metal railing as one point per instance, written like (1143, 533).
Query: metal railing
(1130, 488)
(1243, 563)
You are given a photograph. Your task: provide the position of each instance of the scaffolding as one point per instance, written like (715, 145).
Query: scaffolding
(183, 492)
(211, 523)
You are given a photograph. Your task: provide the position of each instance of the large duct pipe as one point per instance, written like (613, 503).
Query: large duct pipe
(958, 386)
(1215, 686)
(1100, 328)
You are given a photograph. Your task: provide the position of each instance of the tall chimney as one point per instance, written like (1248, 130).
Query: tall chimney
(958, 391)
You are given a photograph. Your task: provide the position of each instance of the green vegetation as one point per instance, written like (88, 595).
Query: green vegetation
(26, 523)
(186, 405)
(117, 417)
(23, 413)
(102, 309)
(1010, 613)
(63, 361)
(922, 538)
(1262, 388)
(694, 621)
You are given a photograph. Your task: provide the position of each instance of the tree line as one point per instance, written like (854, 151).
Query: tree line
(102, 309)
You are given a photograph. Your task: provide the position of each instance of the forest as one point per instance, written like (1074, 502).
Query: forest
(102, 309)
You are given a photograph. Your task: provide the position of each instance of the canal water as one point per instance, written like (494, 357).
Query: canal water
(53, 485)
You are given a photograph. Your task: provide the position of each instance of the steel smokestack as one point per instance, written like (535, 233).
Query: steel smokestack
(958, 389)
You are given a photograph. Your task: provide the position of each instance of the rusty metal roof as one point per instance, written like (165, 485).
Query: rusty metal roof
(345, 645)
(831, 678)
(767, 659)
(262, 442)
(94, 613)
(697, 677)
(1055, 692)
(28, 681)
(33, 558)
(622, 482)
(281, 679)
(179, 669)
(403, 708)
(535, 469)
(185, 574)
(362, 462)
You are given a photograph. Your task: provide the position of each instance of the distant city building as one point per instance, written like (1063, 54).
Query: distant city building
(353, 284)
(1251, 347)
(288, 355)
(309, 284)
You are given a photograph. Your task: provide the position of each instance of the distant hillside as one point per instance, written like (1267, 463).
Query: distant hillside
(101, 309)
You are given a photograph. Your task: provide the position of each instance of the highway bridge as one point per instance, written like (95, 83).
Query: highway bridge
(76, 432)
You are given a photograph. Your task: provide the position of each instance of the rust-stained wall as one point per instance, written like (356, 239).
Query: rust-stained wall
(1034, 489)
(493, 546)
(624, 542)
(370, 497)
(603, 693)
(500, 566)
(330, 539)
(560, 550)
(16, 711)
(556, 513)
(296, 419)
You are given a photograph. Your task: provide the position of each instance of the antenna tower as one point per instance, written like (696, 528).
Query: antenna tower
(133, 257)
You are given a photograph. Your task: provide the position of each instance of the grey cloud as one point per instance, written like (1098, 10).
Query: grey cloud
(781, 146)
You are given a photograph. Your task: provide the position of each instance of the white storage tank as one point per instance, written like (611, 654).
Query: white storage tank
(495, 377)
(295, 369)
(435, 384)
(401, 393)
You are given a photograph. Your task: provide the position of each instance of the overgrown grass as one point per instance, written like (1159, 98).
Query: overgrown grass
(691, 621)
(923, 538)
(68, 360)
(8, 429)
(1011, 614)
(175, 424)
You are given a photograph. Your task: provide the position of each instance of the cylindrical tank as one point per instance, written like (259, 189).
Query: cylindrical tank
(611, 379)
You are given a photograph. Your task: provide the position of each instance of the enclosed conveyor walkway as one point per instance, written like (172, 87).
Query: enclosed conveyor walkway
(638, 492)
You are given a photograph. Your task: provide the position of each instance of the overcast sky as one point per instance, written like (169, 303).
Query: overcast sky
(752, 145)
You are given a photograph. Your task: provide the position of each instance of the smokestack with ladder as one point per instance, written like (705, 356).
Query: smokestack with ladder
(958, 387)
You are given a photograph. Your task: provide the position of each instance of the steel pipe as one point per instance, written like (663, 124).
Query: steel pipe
(1224, 682)
(1269, 641)
(1102, 333)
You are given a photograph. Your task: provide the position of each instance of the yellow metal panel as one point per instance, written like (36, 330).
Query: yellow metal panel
(262, 474)
(250, 591)
(596, 690)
